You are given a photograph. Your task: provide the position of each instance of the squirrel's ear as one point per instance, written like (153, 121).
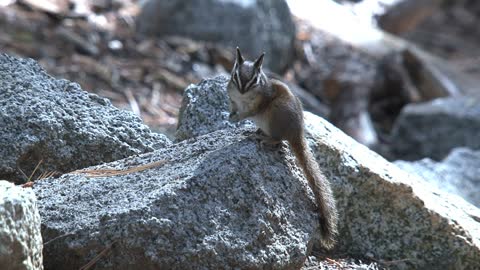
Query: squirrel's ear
(258, 63)
(239, 59)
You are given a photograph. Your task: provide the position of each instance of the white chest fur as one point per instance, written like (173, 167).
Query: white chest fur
(244, 102)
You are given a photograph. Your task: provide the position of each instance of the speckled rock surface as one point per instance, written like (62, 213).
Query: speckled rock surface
(42, 118)
(313, 263)
(204, 109)
(389, 214)
(458, 173)
(20, 238)
(255, 26)
(434, 128)
(219, 202)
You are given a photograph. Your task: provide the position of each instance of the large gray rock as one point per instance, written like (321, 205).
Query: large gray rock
(219, 202)
(253, 25)
(458, 173)
(434, 128)
(42, 118)
(389, 214)
(205, 108)
(20, 239)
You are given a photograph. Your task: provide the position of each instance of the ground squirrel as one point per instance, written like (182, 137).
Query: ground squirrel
(279, 115)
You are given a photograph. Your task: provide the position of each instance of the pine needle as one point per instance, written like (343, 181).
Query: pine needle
(113, 172)
(100, 255)
(34, 170)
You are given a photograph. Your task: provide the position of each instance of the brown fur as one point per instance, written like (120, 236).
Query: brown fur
(279, 114)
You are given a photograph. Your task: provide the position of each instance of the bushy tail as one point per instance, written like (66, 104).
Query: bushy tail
(322, 191)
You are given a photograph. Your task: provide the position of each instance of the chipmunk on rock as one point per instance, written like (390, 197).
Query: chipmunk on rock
(279, 115)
